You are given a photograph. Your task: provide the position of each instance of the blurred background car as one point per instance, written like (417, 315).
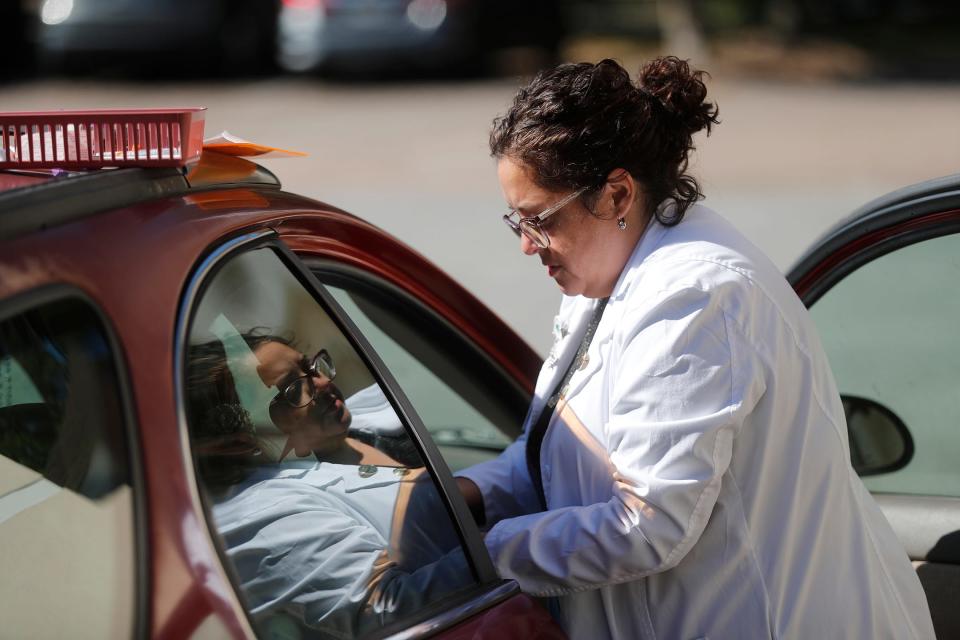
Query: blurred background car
(849, 39)
(234, 36)
(16, 52)
(239, 37)
(426, 35)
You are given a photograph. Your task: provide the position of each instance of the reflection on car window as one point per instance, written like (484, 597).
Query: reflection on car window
(466, 421)
(331, 523)
(890, 331)
(66, 503)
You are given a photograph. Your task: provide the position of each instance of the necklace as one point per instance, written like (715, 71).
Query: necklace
(539, 428)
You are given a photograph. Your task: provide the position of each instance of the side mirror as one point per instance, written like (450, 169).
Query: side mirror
(879, 440)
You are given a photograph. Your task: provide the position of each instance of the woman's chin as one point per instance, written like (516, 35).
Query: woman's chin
(569, 288)
(569, 285)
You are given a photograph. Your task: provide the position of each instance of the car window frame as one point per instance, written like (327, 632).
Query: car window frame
(447, 611)
(47, 294)
(419, 312)
(870, 235)
(473, 544)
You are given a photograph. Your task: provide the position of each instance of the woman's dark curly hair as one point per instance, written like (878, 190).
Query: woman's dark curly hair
(576, 123)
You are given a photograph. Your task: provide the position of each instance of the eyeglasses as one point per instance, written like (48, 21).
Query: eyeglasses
(531, 226)
(303, 390)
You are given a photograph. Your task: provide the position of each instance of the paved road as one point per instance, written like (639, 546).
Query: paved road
(787, 161)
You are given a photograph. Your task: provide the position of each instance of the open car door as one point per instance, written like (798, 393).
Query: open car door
(883, 287)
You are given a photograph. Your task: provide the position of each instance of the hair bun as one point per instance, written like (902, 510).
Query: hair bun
(681, 91)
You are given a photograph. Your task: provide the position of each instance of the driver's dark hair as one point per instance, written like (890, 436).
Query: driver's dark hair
(209, 381)
(574, 124)
(214, 409)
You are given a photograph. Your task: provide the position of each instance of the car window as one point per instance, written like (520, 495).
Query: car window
(66, 501)
(328, 518)
(470, 405)
(462, 418)
(890, 330)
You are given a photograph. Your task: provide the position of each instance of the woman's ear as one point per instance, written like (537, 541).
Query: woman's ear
(621, 191)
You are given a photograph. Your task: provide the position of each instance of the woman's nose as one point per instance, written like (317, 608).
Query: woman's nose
(528, 246)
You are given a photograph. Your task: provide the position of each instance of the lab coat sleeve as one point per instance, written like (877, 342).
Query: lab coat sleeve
(505, 484)
(683, 382)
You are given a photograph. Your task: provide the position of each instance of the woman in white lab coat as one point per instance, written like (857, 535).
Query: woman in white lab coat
(684, 469)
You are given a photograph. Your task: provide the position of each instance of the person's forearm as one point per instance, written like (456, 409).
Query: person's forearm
(499, 488)
(396, 593)
(474, 499)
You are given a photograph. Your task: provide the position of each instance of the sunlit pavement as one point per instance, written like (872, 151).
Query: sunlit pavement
(786, 162)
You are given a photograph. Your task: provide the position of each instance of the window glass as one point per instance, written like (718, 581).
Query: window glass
(890, 331)
(462, 418)
(330, 522)
(66, 503)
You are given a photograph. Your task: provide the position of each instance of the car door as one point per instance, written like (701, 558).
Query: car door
(318, 545)
(884, 290)
(72, 530)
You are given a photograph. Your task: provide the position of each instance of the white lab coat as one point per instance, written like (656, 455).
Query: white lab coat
(698, 480)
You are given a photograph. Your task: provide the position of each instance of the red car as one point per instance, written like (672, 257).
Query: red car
(148, 488)
(167, 333)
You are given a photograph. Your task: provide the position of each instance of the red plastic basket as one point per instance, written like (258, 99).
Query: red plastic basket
(101, 138)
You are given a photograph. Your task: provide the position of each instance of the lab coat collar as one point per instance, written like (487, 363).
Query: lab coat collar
(575, 312)
(650, 239)
(570, 325)
(584, 314)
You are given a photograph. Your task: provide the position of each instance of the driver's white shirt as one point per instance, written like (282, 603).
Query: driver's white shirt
(331, 545)
(699, 484)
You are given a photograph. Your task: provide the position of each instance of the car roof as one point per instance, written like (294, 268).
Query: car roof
(18, 179)
(32, 201)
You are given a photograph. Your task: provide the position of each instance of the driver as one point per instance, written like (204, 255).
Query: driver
(336, 545)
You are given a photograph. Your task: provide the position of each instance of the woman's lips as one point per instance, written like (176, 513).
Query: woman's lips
(552, 270)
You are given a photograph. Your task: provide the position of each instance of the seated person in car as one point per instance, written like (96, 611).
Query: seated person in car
(338, 542)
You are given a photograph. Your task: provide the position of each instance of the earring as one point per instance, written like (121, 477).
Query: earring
(621, 223)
